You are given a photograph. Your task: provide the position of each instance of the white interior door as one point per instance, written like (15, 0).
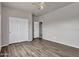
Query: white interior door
(18, 29)
(36, 29)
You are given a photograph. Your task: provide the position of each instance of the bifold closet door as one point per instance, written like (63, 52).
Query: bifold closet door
(18, 30)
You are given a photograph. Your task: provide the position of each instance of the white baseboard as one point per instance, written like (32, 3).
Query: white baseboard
(29, 40)
(5, 45)
(0, 48)
(63, 44)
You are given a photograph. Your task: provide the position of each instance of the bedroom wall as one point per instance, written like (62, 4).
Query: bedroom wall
(62, 25)
(10, 12)
(0, 26)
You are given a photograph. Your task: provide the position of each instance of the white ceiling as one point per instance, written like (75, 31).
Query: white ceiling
(50, 6)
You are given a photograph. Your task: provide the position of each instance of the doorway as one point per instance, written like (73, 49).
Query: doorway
(38, 30)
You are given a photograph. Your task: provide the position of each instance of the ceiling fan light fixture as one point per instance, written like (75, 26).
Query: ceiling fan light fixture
(41, 7)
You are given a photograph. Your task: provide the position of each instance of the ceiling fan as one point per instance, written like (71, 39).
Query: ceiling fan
(39, 5)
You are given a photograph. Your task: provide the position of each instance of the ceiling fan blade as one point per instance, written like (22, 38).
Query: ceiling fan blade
(35, 5)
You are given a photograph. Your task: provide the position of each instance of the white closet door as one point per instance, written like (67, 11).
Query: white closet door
(18, 29)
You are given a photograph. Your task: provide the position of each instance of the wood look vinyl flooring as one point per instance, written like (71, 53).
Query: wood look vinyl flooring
(38, 48)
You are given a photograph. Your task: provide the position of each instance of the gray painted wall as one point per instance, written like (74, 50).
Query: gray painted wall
(0, 26)
(31, 24)
(62, 25)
